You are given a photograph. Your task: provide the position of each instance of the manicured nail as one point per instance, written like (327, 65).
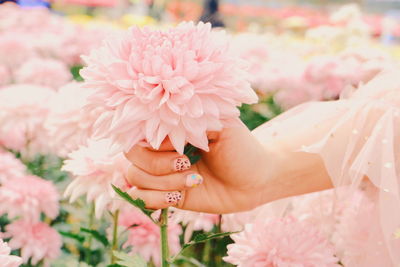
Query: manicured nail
(173, 197)
(193, 180)
(181, 164)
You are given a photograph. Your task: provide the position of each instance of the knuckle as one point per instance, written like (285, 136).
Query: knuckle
(132, 175)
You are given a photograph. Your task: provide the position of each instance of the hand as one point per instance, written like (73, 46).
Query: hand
(230, 177)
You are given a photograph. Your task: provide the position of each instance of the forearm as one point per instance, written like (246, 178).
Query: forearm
(293, 172)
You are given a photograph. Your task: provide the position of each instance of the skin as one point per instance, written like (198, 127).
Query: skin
(239, 173)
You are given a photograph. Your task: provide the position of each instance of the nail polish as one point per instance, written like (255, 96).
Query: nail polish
(173, 197)
(193, 180)
(181, 164)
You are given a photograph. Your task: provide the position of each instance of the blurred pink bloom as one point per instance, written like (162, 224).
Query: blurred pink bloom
(10, 167)
(196, 221)
(144, 235)
(37, 241)
(68, 125)
(321, 209)
(280, 243)
(154, 84)
(23, 110)
(5, 75)
(7, 260)
(358, 238)
(95, 168)
(46, 72)
(28, 197)
(15, 49)
(104, 3)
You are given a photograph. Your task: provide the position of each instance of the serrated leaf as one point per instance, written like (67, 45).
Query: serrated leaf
(138, 203)
(77, 237)
(200, 238)
(129, 260)
(96, 235)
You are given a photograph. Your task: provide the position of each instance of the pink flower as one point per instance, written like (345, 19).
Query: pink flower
(28, 197)
(144, 235)
(196, 221)
(23, 110)
(14, 49)
(280, 243)
(10, 167)
(7, 260)
(321, 209)
(179, 83)
(358, 238)
(5, 75)
(45, 72)
(68, 125)
(37, 241)
(104, 3)
(95, 168)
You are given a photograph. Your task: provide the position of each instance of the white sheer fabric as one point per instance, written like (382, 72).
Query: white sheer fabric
(358, 139)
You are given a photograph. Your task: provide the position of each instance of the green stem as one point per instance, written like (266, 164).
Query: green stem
(114, 246)
(90, 238)
(207, 252)
(164, 237)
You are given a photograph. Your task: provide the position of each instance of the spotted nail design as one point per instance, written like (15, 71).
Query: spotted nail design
(193, 180)
(173, 197)
(181, 164)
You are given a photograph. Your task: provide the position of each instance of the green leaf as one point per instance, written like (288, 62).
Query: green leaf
(77, 237)
(129, 260)
(75, 72)
(200, 238)
(96, 235)
(192, 153)
(115, 265)
(138, 203)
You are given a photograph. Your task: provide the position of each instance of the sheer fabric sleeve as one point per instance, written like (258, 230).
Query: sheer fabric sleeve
(358, 139)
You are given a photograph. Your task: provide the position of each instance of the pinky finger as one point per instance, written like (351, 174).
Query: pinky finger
(157, 199)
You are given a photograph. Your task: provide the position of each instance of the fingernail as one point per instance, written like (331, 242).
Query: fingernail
(173, 197)
(181, 164)
(193, 180)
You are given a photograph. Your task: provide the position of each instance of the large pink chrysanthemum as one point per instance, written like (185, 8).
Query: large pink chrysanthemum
(37, 241)
(10, 167)
(280, 243)
(23, 110)
(144, 235)
(28, 197)
(7, 260)
(68, 125)
(95, 168)
(154, 84)
(45, 72)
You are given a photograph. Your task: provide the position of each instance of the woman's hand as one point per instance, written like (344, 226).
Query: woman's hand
(237, 174)
(228, 178)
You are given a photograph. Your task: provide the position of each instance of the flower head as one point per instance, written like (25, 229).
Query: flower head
(37, 241)
(68, 125)
(28, 197)
(10, 167)
(144, 235)
(46, 72)
(95, 168)
(7, 260)
(156, 84)
(23, 111)
(280, 243)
